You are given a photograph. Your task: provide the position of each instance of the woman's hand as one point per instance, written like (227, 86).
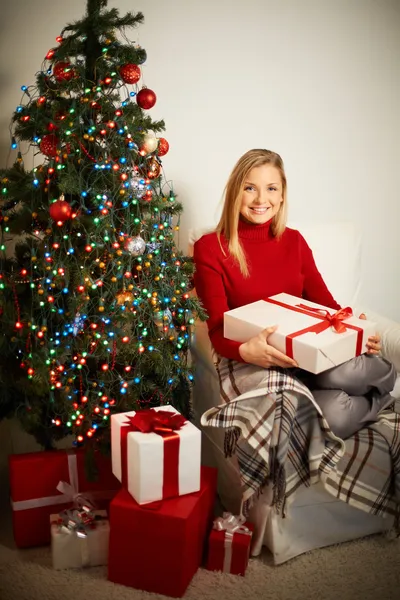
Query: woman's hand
(257, 351)
(374, 341)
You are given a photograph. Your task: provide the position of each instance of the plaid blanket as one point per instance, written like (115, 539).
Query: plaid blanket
(280, 436)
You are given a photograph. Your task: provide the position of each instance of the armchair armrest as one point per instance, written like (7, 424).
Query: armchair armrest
(390, 333)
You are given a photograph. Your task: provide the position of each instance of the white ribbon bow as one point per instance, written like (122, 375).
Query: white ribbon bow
(70, 491)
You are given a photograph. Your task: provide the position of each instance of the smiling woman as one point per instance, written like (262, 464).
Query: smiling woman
(252, 255)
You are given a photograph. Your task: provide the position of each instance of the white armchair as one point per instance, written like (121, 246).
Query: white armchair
(316, 518)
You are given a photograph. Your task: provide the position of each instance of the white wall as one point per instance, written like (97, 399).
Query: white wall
(315, 80)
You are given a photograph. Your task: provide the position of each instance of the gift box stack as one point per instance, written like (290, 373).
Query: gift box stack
(159, 527)
(160, 520)
(53, 501)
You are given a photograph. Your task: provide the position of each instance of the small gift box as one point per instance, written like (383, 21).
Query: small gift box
(155, 453)
(42, 483)
(317, 337)
(79, 539)
(159, 549)
(229, 545)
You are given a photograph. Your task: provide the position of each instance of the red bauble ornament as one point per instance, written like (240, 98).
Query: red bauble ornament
(63, 71)
(130, 73)
(48, 145)
(163, 147)
(60, 210)
(146, 98)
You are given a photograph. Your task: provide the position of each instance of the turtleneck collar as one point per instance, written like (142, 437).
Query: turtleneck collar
(257, 233)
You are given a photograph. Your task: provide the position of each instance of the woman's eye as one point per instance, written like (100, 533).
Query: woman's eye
(248, 188)
(272, 189)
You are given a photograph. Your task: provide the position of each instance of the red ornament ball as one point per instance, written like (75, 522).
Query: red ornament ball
(63, 71)
(130, 73)
(146, 98)
(60, 210)
(163, 147)
(48, 145)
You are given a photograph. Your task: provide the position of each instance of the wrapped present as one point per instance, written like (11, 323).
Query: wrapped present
(42, 483)
(318, 338)
(159, 549)
(229, 545)
(156, 453)
(79, 538)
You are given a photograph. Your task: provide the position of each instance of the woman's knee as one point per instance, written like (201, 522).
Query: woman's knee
(345, 414)
(359, 376)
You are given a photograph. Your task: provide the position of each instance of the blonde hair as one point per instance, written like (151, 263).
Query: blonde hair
(229, 221)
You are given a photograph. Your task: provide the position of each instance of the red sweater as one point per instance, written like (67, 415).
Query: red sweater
(284, 265)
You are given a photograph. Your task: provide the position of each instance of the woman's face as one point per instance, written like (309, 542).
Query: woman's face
(261, 195)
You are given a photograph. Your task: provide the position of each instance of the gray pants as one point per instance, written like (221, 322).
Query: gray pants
(352, 394)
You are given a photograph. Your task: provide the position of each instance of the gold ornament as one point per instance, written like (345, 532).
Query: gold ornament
(154, 168)
(150, 143)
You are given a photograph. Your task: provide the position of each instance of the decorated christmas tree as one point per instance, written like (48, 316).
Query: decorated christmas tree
(96, 314)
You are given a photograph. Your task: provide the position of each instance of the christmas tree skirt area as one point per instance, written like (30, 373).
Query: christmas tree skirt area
(365, 569)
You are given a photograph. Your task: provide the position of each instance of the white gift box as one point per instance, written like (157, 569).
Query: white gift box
(70, 550)
(145, 459)
(314, 352)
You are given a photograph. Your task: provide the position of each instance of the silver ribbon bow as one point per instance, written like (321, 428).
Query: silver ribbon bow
(76, 521)
(231, 525)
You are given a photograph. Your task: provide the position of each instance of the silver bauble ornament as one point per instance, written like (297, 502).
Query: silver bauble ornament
(136, 245)
(138, 186)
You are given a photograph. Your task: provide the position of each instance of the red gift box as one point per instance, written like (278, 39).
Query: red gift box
(229, 545)
(159, 547)
(34, 478)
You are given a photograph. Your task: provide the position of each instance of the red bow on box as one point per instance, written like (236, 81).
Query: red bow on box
(327, 320)
(156, 421)
(165, 424)
(335, 320)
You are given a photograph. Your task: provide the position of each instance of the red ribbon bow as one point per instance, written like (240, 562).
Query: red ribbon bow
(165, 424)
(327, 320)
(161, 422)
(335, 320)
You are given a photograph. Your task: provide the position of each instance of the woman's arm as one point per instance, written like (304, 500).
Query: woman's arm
(211, 291)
